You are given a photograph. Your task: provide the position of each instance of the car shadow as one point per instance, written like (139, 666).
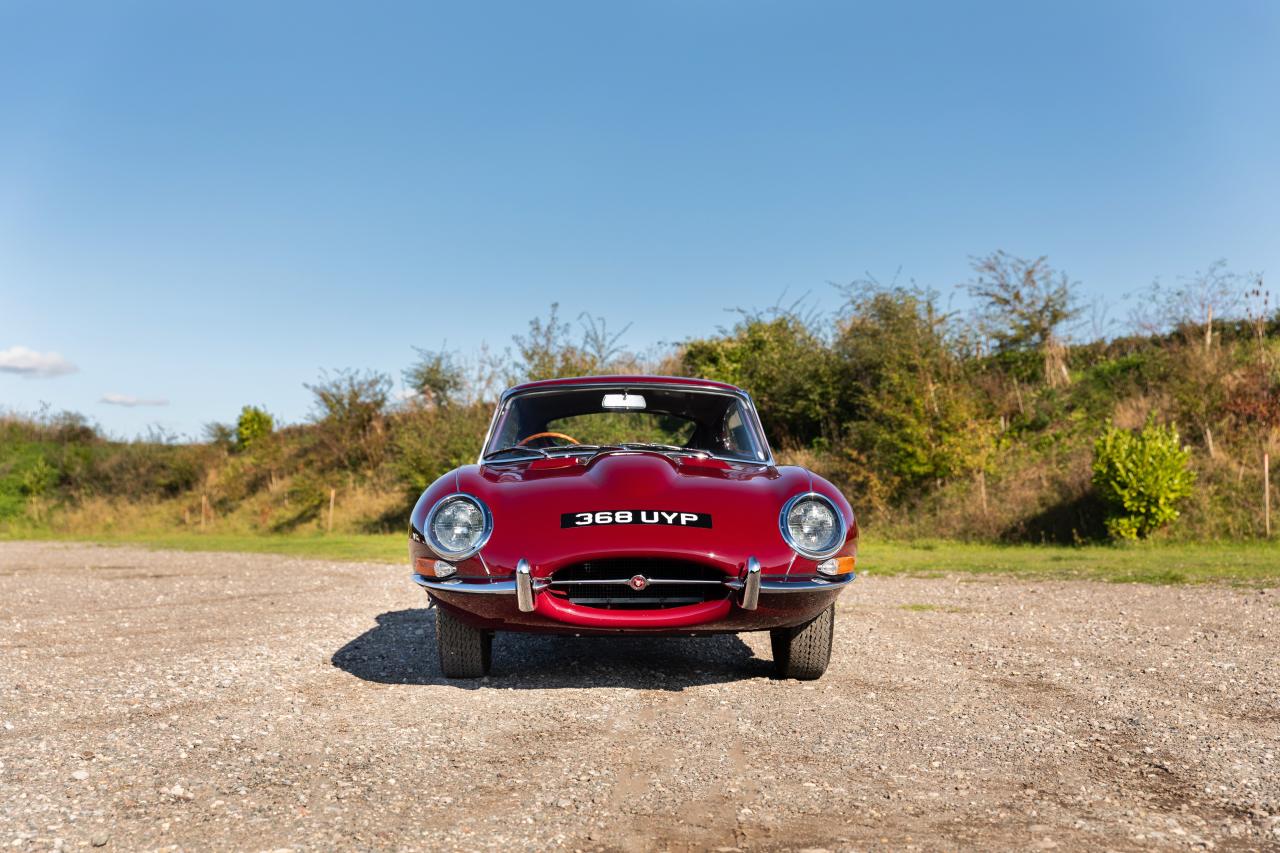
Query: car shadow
(401, 649)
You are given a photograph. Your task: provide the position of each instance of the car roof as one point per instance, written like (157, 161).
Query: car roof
(625, 380)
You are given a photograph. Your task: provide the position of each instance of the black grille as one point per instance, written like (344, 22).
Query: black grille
(605, 584)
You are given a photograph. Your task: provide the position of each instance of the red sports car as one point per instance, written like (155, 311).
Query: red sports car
(631, 505)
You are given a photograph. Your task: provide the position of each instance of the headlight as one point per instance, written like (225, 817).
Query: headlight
(458, 526)
(812, 525)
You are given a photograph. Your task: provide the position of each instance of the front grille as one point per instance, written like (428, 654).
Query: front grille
(605, 584)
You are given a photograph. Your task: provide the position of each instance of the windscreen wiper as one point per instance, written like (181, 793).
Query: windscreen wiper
(664, 448)
(533, 451)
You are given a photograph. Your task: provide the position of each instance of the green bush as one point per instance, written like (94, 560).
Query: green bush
(784, 364)
(350, 415)
(911, 412)
(431, 442)
(37, 479)
(253, 424)
(1141, 477)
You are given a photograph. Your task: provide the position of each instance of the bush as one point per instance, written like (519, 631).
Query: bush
(349, 411)
(1141, 476)
(786, 367)
(911, 412)
(431, 442)
(37, 479)
(253, 424)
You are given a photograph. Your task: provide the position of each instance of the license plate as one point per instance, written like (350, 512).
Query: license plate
(635, 516)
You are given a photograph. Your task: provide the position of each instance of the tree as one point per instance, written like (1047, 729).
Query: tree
(910, 410)
(252, 425)
(549, 352)
(1022, 303)
(546, 351)
(220, 435)
(783, 363)
(436, 377)
(1194, 303)
(349, 408)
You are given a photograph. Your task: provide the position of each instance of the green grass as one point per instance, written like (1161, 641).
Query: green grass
(376, 548)
(1160, 563)
(1254, 563)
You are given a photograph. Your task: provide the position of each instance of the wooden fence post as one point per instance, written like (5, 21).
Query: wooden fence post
(333, 493)
(1266, 491)
(204, 509)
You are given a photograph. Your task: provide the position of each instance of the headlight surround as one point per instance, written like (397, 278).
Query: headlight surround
(458, 526)
(812, 525)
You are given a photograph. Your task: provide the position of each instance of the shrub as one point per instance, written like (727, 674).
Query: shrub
(1141, 477)
(785, 365)
(911, 413)
(431, 442)
(436, 377)
(37, 479)
(349, 409)
(253, 424)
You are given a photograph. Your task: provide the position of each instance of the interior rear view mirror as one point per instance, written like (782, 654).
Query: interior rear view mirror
(623, 401)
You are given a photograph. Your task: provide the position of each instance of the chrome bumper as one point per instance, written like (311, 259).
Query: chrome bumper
(525, 587)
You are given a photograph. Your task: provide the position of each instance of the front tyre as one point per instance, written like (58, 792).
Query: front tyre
(465, 652)
(805, 651)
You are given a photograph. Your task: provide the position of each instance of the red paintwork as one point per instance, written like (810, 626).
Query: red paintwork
(528, 497)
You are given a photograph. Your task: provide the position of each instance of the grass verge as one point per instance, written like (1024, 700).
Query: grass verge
(350, 547)
(1254, 563)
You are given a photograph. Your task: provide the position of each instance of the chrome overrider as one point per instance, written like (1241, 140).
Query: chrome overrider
(525, 587)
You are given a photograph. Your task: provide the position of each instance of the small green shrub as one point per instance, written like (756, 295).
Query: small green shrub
(1141, 477)
(253, 424)
(37, 479)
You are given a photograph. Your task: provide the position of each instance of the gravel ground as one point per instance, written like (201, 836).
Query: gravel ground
(160, 700)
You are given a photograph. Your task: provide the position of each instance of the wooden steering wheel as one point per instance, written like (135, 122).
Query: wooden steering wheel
(536, 435)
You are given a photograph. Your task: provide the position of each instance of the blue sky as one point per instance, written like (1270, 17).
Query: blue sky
(205, 204)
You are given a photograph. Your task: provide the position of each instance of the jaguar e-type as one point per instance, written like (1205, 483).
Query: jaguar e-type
(632, 505)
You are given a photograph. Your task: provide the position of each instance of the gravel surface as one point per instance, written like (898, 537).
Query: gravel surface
(158, 700)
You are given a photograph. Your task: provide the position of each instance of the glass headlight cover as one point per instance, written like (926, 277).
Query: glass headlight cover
(458, 526)
(812, 525)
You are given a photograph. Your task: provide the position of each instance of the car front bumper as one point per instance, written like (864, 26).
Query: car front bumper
(752, 602)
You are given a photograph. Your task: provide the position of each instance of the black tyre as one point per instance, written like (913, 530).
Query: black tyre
(465, 652)
(805, 651)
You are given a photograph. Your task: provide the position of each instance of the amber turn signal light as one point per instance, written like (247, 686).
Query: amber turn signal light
(432, 568)
(836, 566)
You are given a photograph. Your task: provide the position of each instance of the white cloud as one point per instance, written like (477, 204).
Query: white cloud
(30, 364)
(131, 401)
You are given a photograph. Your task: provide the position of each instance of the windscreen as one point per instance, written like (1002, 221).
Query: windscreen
(566, 420)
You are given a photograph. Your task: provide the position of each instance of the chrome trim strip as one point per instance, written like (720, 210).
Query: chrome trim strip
(623, 581)
(786, 533)
(474, 585)
(483, 586)
(808, 584)
(751, 586)
(456, 584)
(524, 586)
